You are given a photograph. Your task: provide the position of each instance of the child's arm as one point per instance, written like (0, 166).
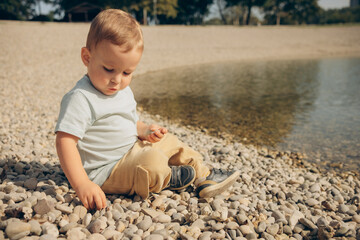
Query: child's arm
(152, 133)
(89, 193)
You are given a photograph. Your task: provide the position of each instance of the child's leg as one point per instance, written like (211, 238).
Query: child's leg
(179, 153)
(142, 170)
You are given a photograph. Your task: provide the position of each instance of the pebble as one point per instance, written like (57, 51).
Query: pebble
(17, 230)
(43, 206)
(162, 218)
(75, 234)
(97, 226)
(272, 199)
(245, 229)
(273, 229)
(96, 236)
(145, 223)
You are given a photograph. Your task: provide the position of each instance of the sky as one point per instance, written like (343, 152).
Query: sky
(326, 4)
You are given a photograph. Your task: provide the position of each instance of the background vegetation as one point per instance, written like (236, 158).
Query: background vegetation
(191, 12)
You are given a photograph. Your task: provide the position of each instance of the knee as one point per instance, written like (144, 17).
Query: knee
(152, 159)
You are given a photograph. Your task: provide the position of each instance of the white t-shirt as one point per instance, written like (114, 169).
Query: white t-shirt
(105, 126)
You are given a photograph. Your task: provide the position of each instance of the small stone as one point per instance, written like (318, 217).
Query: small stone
(47, 237)
(75, 234)
(261, 227)
(145, 223)
(278, 216)
(322, 222)
(154, 237)
(150, 212)
(31, 183)
(35, 227)
(356, 218)
(43, 206)
(232, 225)
(50, 229)
(287, 230)
(245, 229)
(111, 234)
(267, 236)
(67, 227)
(273, 229)
(64, 209)
(342, 231)
(328, 206)
(315, 188)
(96, 226)
(199, 223)
(205, 236)
(87, 219)
(96, 236)
(81, 211)
(241, 219)
(120, 226)
(135, 207)
(311, 202)
(307, 223)
(294, 218)
(343, 208)
(218, 226)
(162, 218)
(74, 217)
(16, 230)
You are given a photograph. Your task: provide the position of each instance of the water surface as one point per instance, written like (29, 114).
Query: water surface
(309, 106)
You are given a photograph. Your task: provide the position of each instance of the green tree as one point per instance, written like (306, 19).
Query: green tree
(17, 9)
(302, 11)
(158, 9)
(192, 12)
(249, 4)
(336, 16)
(275, 9)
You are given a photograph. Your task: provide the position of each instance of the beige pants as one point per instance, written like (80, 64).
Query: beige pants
(145, 168)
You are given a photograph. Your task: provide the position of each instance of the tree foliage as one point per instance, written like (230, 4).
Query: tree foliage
(192, 12)
(17, 9)
(248, 4)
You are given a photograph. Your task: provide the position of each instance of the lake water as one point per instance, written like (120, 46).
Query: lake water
(308, 106)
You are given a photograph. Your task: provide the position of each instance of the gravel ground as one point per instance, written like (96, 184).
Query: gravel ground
(277, 196)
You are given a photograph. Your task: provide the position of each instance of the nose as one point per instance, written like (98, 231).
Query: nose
(116, 78)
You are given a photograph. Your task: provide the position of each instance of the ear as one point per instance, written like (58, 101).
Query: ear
(85, 56)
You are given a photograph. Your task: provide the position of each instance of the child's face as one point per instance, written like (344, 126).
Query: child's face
(110, 69)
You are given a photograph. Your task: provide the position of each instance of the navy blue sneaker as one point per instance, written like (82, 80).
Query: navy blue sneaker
(181, 177)
(217, 182)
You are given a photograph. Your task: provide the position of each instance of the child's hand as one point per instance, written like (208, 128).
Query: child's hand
(91, 195)
(155, 133)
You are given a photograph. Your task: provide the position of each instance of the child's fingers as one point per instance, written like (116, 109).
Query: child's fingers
(91, 202)
(158, 134)
(103, 199)
(98, 202)
(85, 203)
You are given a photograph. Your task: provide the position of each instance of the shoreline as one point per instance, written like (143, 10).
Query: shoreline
(272, 199)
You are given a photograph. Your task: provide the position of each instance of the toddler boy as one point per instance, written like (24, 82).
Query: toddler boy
(102, 145)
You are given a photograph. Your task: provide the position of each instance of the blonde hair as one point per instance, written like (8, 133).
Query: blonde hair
(118, 27)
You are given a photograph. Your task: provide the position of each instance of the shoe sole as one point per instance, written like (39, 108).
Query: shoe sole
(218, 188)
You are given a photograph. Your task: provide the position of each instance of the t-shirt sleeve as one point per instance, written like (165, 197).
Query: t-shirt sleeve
(75, 115)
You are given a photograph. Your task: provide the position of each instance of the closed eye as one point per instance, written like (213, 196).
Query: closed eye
(108, 70)
(127, 73)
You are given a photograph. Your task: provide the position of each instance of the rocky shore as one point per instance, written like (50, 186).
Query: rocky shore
(277, 196)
